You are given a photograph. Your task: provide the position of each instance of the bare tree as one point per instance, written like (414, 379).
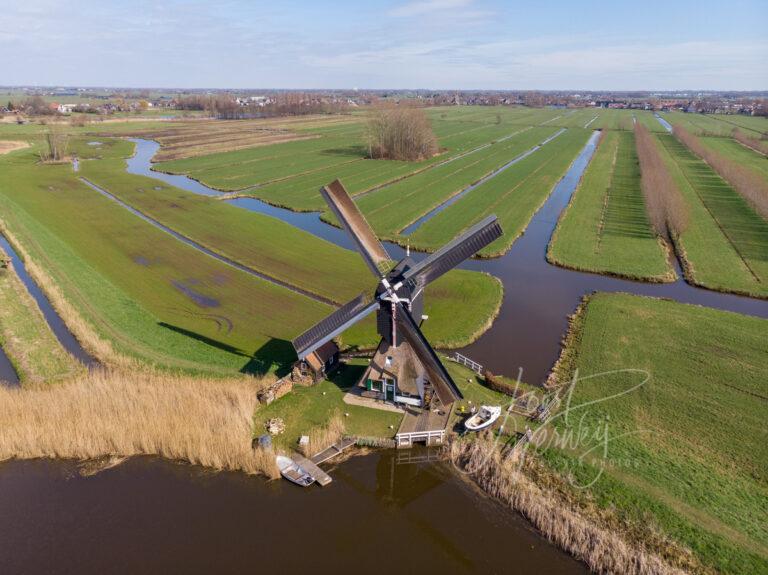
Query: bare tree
(56, 142)
(752, 187)
(400, 133)
(664, 203)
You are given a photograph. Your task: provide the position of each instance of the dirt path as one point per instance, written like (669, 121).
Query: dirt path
(11, 145)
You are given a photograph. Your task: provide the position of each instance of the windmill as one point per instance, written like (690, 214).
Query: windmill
(405, 368)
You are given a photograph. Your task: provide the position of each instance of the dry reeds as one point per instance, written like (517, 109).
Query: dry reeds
(603, 550)
(323, 437)
(125, 413)
(400, 133)
(749, 184)
(667, 210)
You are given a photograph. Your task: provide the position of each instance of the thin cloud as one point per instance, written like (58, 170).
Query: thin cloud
(428, 7)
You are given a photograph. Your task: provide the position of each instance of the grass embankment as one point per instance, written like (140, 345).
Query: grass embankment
(25, 336)
(725, 243)
(125, 413)
(514, 195)
(605, 227)
(687, 454)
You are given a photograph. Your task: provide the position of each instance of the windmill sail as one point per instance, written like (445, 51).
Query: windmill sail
(454, 252)
(357, 227)
(444, 385)
(325, 330)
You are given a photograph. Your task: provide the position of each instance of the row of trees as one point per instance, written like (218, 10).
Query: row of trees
(400, 133)
(225, 107)
(749, 184)
(759, 145)
(664, 203)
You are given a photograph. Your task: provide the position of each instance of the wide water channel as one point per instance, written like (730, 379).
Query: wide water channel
(150, 516)
(384, 512)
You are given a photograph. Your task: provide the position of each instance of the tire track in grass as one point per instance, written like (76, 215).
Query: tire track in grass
(199, 247)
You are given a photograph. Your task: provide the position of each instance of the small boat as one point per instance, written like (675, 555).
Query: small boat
(483, 418)
(293, 472)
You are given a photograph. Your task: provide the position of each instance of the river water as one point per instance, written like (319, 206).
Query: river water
(151, 516)
(381, 513)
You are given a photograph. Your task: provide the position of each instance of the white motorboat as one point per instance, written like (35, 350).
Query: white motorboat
(293, 472)
(483, 418)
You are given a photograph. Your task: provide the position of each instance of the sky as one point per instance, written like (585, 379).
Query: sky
(430, 44)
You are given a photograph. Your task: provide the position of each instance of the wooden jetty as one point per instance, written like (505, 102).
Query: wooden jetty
(333, 450)
(312, 464)
(310, 467)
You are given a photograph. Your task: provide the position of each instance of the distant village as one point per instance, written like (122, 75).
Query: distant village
(232, 104)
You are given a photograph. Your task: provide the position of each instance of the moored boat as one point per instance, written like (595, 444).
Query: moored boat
(487, 415)
(293, 472)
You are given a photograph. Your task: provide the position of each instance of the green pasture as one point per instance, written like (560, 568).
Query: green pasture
(740, 154)
(169, 304)
(726, 242)
(687, 452)
(514, 195)
(605, 228)
(391, 209)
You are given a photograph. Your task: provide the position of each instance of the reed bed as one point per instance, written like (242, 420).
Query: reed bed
(760, 146)
(321, 438)
(603, 550)
(202, 421)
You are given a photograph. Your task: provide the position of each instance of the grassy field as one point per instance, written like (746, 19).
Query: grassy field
(687, 453)
(169, 304)
(605, 228)
(735, 151)
(726, 241)
(719, 124)
(391, 209)
(25, 336)
(514, 196)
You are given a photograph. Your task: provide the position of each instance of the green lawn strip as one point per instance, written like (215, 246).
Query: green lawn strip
(513, 195)
(647, 119)
(206, 311)
(25, 336)
(740, 154)
(261, 242)
(605, 227)
(726, 241)
(391, 209)
(692, 438)
(308, 407)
